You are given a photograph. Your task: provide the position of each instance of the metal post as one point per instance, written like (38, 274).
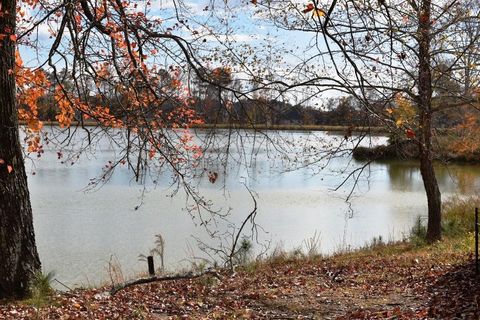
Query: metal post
(476, 241)
(151, 267)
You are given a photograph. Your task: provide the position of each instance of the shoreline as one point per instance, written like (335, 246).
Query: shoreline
(236, 126)
(408, 150)
(399, 151)
(380, 281)
(408, 279)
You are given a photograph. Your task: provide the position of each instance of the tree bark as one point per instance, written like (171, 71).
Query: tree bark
(18, 253)
(425, 139)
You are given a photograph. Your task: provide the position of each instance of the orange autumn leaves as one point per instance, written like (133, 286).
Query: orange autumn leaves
(68, 105)
(403, 113)
(310, 7)
(140, 107)
(32, 84)
(131, 92)
(317, 12)
(467, 133)
(65, 104)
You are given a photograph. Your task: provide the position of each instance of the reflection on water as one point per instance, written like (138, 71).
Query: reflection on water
(78, 232)
(452, 178)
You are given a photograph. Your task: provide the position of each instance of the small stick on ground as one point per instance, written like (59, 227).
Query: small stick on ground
(190, 275)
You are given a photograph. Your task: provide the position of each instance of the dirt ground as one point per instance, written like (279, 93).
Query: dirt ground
(364, 285)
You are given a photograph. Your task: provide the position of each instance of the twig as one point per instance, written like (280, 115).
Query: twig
(63, 284)
(190, 275)
(250, 217)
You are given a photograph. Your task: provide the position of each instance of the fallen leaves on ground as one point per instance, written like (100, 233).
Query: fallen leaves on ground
(405, 285)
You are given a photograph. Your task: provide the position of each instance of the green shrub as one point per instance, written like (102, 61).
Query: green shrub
(244, 252)
(457, 220)
(418, 233)
(41, 289)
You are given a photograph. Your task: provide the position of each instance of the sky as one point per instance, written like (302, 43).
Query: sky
(235, 33)
(244, 36)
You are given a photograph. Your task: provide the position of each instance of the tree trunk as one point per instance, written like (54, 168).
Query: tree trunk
(434, 226)
(18, 253)
(425, 139)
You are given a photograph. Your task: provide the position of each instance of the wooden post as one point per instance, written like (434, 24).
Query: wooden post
(151, 267)
(476, 241)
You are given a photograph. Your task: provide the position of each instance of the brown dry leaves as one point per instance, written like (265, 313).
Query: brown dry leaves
(408, 285)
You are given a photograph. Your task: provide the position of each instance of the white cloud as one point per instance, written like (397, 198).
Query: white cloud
(231, 38)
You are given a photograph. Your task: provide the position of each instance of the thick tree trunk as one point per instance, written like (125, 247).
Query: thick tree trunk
(425, 138)
(18, 253)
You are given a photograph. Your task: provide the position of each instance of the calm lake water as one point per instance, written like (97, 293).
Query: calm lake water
(79, 232)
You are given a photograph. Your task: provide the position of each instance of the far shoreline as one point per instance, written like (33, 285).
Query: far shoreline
(259, 127)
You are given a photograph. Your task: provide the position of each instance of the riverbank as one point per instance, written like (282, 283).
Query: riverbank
(259, 127)
(404, 280)
(447, 148)
(295, 127)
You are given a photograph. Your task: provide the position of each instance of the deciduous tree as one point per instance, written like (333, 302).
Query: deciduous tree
(111, 63)
(389, 54)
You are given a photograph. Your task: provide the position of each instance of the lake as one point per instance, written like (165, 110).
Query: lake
(80, 231)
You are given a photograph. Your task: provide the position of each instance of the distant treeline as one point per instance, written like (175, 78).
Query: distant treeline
(245, 112)
(273, 112)
(215, 107)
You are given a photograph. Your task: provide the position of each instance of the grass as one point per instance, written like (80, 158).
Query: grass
(302, 282)
(457, 242)
(457, 231)
(418, 233)
(457, 234)
(40, 289)
(312, 245)
(457, 221)
(458, 216)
